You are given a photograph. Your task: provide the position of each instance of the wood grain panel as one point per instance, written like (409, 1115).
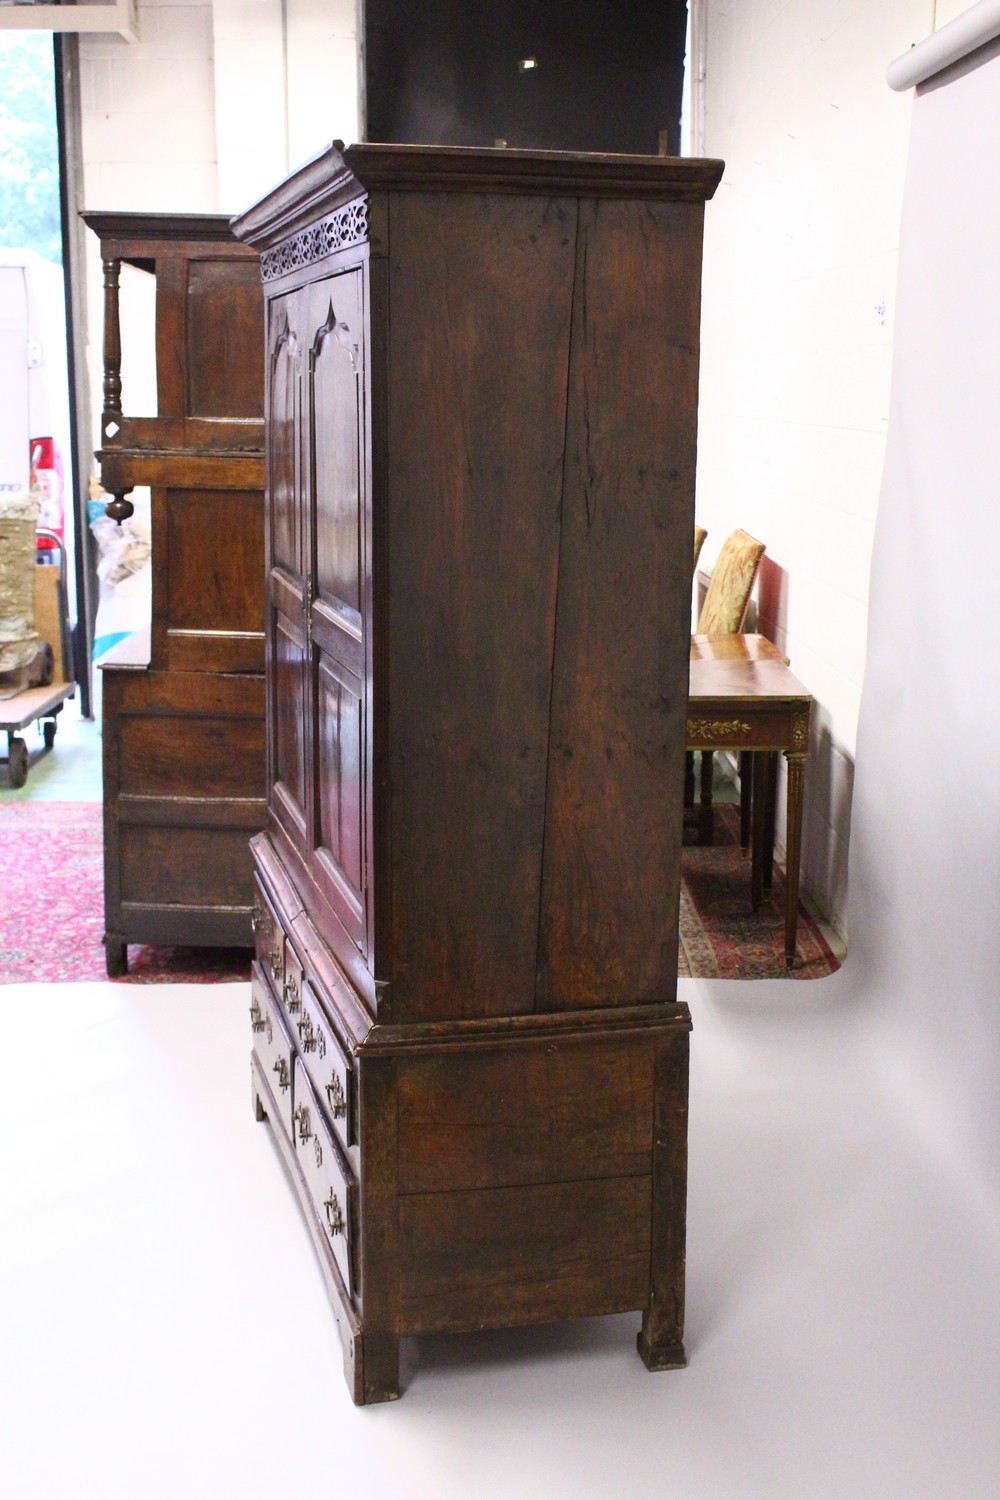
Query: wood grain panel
(479, 289)
(214, 568)
(525, 1114)
(178, 866)
(156, 756)
(506, 1256)
(200, 694)
(608, 928)
(225, 312)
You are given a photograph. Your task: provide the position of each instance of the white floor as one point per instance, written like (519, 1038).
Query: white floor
(164, 1330)
(70, 771)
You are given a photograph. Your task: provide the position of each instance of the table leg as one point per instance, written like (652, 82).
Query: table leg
(705, 821)
(771, 798)
(796, 762)
(746, 797)
(759, 829)
(689, 778)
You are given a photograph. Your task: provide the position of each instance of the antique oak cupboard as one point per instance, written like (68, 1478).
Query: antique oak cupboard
(481, 394)
(183, 704)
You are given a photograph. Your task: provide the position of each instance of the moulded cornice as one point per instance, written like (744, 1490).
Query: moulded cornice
(338, 174)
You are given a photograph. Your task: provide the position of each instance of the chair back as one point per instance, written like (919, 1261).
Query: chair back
(728, 595)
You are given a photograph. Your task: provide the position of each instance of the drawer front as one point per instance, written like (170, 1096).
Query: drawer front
(272, 1045)
(327, 1176)
(329, 1069)
(269, 940)
(290, 985)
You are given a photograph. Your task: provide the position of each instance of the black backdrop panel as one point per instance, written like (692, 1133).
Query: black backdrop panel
(447, 72)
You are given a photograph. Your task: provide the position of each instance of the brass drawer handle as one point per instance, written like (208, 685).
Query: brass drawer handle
(281, 1068)
(275, 963)
(334, 1216)
(301, 1118)
(306, 1035)
(257, 923)
(336, 1097)
(256, 1015)
(290, 991)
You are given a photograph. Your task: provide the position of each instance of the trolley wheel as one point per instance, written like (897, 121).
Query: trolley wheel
(115, 956)
(49, 733)
(42, 669)
(17, 761)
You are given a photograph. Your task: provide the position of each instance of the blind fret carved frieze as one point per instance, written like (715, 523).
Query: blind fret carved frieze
(348, 226)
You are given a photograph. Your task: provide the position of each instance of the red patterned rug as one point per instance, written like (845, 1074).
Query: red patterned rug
(721, 936)
(52, 908)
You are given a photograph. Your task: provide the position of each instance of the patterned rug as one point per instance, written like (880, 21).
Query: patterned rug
(721, 936)
(52, 909)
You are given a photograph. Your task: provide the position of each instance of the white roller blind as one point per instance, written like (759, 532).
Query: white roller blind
(925, 847)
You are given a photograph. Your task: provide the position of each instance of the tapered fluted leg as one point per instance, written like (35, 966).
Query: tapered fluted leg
(796, 761)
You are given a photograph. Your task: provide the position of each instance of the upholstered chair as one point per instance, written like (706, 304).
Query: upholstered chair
(728, 597)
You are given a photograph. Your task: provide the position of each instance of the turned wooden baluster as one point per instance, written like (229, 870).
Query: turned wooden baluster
(119, 509)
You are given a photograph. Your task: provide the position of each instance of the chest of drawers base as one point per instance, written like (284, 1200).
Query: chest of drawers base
(512, 1172)
(266, 1107)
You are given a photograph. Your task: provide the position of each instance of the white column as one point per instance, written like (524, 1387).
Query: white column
(323, 75)
(286, 83)
(251, 124)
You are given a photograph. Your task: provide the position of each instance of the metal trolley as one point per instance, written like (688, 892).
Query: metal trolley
(41, 700)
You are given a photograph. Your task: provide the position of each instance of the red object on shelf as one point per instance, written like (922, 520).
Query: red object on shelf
(47, 478)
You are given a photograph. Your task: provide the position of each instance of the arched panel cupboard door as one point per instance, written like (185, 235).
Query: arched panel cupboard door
(340, 516)
(287, 567)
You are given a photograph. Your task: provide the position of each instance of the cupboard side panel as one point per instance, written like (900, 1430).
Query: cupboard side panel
(479, 298)
(546, 1112)
(498, 1257)
(608, 929)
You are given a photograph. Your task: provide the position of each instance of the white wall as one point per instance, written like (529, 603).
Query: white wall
(798, 308)
(216, 102)
(286, 83)
(213, 106)
(148, 113)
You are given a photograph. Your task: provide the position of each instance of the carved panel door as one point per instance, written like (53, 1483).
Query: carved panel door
(334, 385)
(288, 562)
